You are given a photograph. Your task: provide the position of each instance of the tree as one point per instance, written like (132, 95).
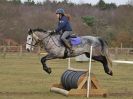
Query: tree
(29, 2)
(3, 1)
(102, 5)
(16, 1)
(65, 1)
(111, 6)
(89, 20)
(130, 2)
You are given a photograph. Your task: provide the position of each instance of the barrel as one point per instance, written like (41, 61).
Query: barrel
(70, 79)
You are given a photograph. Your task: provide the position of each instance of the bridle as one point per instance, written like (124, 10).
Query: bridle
(33, 45)
(37, 42)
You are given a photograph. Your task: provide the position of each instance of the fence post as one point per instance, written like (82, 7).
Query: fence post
(116, 53)
(4, 51)
(127, 53)
(39, 50)
(21, 50)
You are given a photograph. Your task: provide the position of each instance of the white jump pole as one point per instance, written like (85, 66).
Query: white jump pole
(89, 80)
(69, 63)
(123, 62)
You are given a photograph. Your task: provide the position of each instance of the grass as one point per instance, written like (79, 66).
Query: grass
(23, 78)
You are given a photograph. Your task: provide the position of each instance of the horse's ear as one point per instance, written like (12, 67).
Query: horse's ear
(30, 31)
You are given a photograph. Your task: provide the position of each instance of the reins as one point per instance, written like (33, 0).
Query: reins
(49, 40)
(54, 41)
(50, 37)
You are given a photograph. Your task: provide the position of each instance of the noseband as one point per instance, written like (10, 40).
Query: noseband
(35, 45)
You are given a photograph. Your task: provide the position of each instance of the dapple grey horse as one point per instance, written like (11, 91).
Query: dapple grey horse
(56, 49)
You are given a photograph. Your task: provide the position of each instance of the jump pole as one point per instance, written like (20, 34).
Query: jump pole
(88, 78)
(69, 63)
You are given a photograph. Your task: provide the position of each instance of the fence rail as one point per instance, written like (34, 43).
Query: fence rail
(21, 49)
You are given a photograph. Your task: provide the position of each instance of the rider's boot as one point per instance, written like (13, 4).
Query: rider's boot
(69, 46)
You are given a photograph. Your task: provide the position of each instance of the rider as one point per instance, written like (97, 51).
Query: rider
(64, 27)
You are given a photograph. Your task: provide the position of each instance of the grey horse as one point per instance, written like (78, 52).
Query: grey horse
(56, 49)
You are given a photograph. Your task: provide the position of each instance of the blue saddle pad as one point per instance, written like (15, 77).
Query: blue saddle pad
(75, 41)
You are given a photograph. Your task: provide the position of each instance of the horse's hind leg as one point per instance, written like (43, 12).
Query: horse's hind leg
(43, 61)
(103, 60)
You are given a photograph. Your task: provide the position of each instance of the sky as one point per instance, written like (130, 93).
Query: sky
(118, 2)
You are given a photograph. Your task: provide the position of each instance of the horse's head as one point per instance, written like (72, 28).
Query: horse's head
(35, 37)
(32, 40)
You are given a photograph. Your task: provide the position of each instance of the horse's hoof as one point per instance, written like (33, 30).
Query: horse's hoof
(110, 73)
(48, 70)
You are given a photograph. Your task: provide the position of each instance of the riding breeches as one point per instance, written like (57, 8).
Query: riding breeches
(65, 35)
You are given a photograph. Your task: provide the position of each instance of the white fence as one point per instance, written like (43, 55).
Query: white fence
(115, 52)
(20, 49)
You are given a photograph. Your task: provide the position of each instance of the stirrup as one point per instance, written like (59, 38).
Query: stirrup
(71, 51)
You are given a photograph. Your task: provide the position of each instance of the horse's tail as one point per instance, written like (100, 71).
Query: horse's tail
(104, 50)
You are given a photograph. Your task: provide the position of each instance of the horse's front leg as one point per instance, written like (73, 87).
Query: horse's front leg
(43, 61)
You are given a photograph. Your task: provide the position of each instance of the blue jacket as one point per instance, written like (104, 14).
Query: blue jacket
(63, 25)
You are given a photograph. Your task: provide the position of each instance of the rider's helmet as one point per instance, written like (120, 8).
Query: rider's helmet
(60, 11)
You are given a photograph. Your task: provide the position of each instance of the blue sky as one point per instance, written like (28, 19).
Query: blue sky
(118, 2)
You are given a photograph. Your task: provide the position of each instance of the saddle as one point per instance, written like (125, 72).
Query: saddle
(74, 40)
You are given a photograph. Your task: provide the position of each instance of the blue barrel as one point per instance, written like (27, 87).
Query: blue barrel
(69, 79)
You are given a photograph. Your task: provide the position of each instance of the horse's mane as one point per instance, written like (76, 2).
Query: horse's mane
(39, 29)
